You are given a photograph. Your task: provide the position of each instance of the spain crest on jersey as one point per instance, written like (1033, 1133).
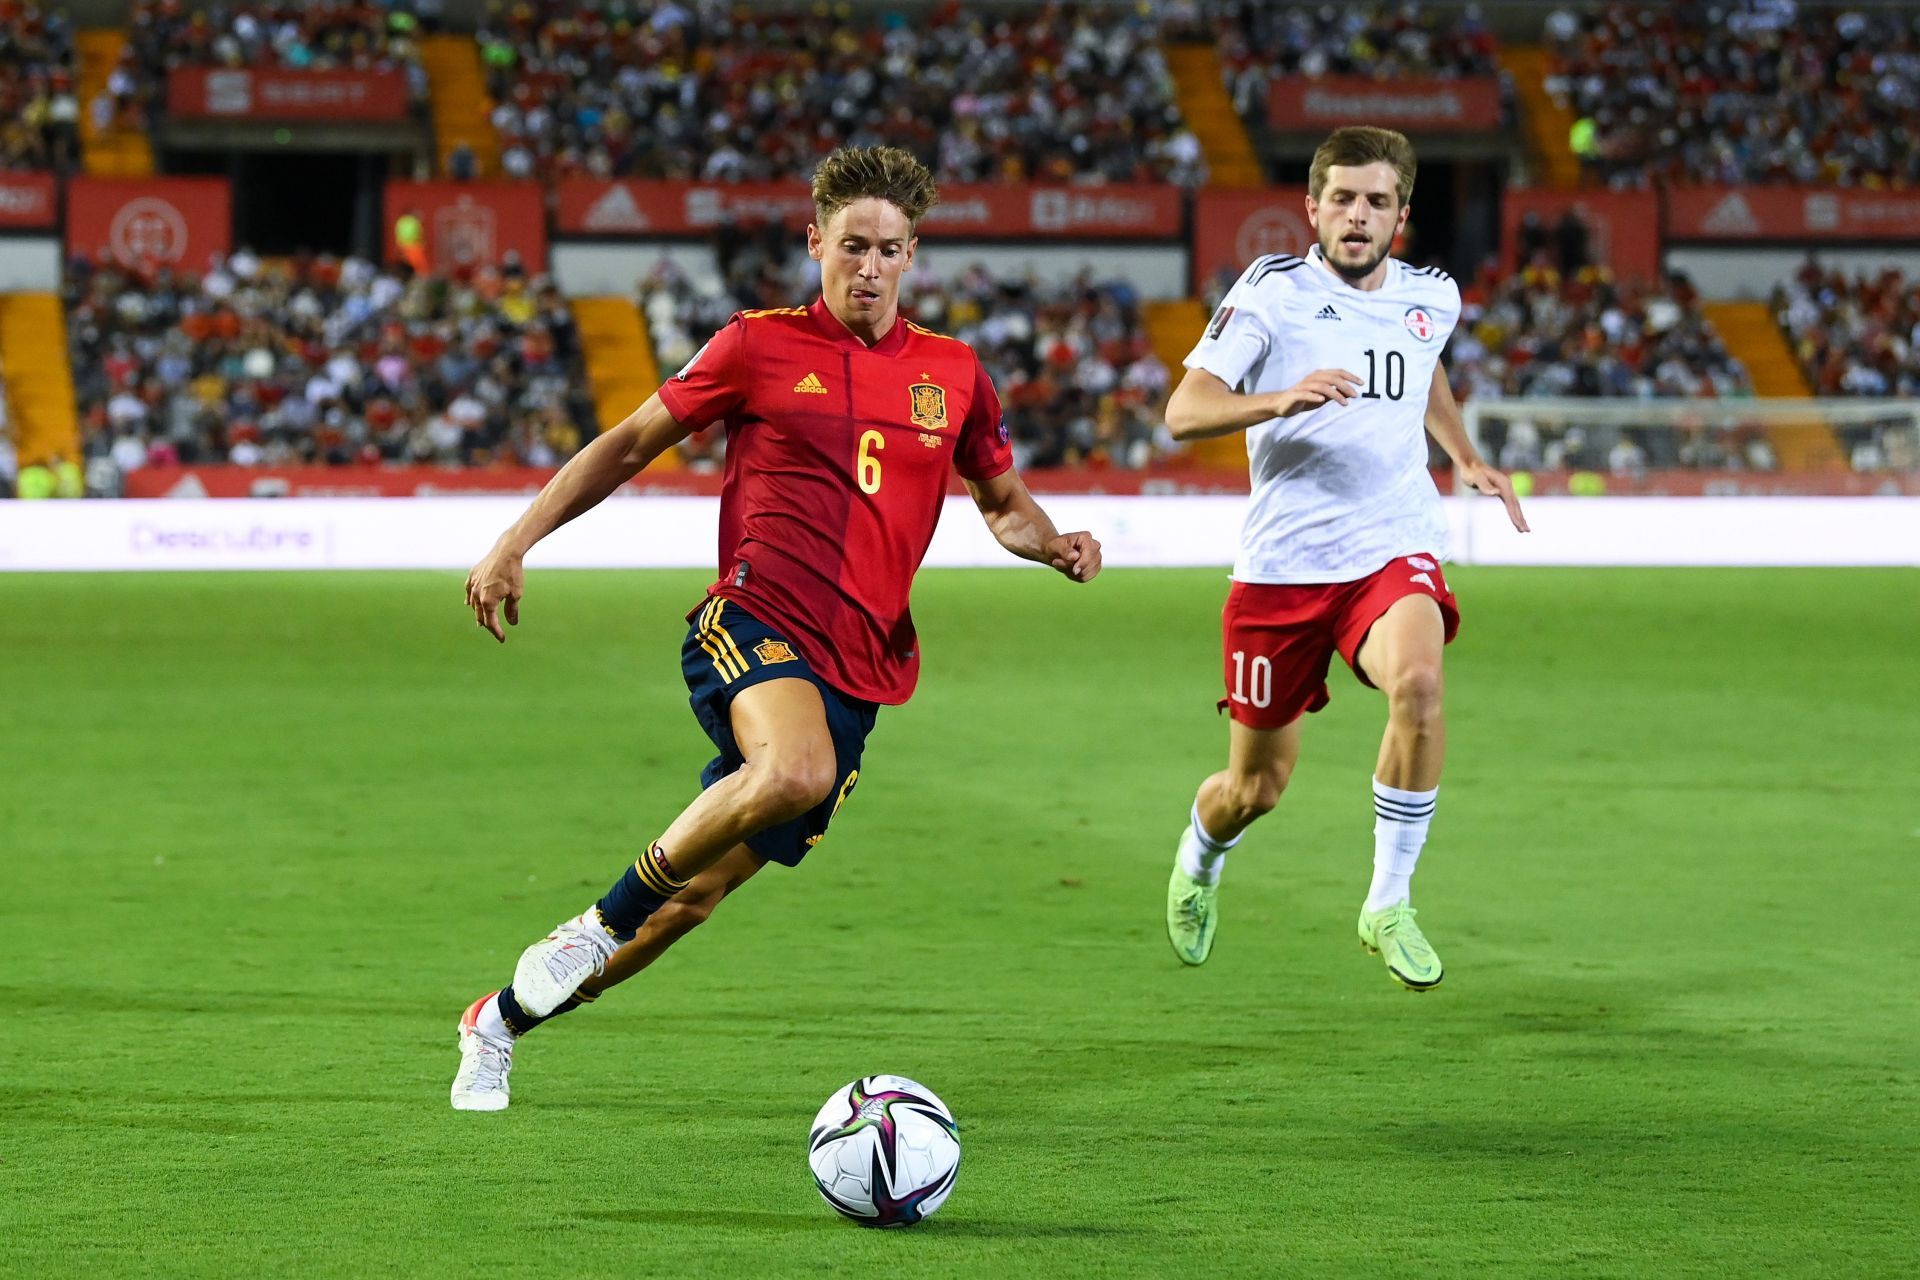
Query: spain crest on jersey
(771, 651)
(929, 406)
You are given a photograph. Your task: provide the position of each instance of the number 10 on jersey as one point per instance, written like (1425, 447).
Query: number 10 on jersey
(1396, 379)
(1252, 681)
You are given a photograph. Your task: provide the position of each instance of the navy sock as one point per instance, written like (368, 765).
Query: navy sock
(646, 887)
(519, 1021)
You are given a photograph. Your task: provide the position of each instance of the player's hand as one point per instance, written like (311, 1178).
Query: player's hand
(1316, 389)
(1479, 475)
(498, 580)
(1075, 554)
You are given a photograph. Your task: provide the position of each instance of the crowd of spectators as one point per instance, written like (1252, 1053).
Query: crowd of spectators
(1858, 336)
(39, 109)
(712, 90)
(1853, 335)
(1740, 91)
(326, 361)
(1260, 42)
(1540, 332)
(1076, 373)
(352, 35)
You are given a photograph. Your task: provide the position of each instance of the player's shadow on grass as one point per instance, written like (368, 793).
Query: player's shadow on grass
(728, 1220)
(958, 1227)
(987, 1229)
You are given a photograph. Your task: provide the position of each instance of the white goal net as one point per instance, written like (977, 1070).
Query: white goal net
(1677, 448)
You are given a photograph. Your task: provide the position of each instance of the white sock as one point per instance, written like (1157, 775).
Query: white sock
(1399, 832)
(490, 1024)
(1202, 857)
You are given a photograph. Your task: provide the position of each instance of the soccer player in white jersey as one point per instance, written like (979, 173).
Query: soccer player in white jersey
(1331, 365)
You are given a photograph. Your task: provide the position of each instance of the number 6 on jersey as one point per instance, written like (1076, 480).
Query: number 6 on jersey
(866, 465)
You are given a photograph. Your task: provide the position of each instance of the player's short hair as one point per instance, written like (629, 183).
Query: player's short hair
(881, 173)
(1360, 144)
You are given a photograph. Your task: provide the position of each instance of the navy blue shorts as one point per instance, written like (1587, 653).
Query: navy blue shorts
(727, 650)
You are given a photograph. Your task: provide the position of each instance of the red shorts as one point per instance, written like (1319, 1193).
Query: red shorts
(1279, 639)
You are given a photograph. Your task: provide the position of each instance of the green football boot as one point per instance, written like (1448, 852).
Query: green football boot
(1393, 934)
(1192, 913)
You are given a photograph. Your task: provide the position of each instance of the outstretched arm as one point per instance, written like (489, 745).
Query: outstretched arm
(1204, 405)
(609, 461)
(1023, 528)
(1446, 426)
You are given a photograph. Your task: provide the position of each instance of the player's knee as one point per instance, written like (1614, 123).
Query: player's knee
(1415, 692)
(790, 787)
(1255, 794)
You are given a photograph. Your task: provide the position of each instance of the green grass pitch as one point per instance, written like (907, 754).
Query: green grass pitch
(263, 837)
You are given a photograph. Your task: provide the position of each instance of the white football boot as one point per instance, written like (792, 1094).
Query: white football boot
(553, 968)
(481, 1082)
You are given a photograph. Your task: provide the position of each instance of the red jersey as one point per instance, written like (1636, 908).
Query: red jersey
(837, 462)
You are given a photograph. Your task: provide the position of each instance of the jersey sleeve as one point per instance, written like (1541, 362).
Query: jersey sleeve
(984, 451)
(713, 385)
(1238, 336)
(1455, 308)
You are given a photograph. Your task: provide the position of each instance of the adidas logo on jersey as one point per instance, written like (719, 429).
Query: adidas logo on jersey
(1326, 313)
(811, 385)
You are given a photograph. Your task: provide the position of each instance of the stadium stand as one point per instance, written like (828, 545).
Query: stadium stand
(322, 361)
(1853, 335)
(1074, 365)
(39, 379)
(39, 104)
(618, 354)
(1541, 333)
(308, 35)
(226, 367)
(1200, 90)
(1753, 92)
(1069, 92)
(1260, 42)
(464, 139)
(113, 131)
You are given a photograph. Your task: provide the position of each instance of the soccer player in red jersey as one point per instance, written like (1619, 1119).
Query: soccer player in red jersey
(843, 420)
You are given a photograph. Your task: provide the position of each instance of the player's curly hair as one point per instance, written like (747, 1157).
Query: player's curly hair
(884, 173)
(1363, 144)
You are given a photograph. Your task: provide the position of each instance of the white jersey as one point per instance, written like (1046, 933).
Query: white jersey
(1340, 490)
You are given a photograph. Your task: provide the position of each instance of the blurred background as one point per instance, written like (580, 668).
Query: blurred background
(425, 246)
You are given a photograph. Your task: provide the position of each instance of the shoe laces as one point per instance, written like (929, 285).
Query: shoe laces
(1399, 923)
(1192, 908)
(491, 1063)
(578, 950)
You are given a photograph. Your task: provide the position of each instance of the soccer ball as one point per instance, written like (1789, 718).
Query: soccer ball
(884, 1151)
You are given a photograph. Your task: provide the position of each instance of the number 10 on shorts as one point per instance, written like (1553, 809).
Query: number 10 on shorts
(1252, 681)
